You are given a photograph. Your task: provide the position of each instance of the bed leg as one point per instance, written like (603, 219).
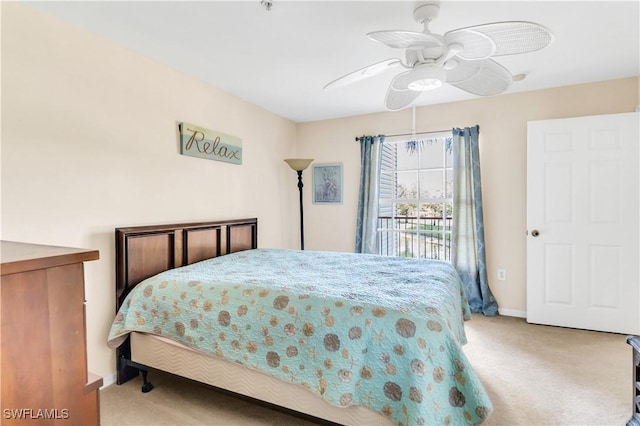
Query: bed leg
(127, 363)
(146, 385)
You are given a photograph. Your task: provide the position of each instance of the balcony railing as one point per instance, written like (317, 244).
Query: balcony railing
(411, 236)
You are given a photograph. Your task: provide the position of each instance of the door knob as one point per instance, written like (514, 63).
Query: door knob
(535, 233)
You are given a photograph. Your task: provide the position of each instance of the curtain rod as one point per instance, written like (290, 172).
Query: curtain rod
(411, 134)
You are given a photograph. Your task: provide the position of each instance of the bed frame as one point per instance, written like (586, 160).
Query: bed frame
(144, 251)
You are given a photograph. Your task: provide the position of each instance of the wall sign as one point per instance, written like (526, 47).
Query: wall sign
(196, 141)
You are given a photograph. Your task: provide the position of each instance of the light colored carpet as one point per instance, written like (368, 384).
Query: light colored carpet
(535, 375)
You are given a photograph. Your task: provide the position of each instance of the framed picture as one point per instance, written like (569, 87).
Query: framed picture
(327, 183)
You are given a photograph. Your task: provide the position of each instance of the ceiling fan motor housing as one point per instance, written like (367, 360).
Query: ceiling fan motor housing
(427, 55)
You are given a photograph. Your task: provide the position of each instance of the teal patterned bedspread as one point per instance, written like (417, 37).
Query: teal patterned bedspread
(383, 332)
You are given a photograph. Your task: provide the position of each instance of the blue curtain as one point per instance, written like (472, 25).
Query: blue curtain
(367, 218)
(467, 245)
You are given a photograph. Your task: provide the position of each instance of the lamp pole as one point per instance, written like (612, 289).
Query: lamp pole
(301, 210)
(299, 164)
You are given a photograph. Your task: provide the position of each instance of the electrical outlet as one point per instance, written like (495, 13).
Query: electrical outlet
(502, 274)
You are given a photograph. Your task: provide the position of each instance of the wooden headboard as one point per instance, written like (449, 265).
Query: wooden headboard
(144, 251)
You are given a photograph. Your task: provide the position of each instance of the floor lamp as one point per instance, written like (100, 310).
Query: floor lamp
(299, 164)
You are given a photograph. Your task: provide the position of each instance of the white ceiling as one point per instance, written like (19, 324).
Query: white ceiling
(281, 59)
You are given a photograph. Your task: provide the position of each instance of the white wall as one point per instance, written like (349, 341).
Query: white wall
(89, 143)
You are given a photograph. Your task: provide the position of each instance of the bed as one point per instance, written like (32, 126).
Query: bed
(349, 338)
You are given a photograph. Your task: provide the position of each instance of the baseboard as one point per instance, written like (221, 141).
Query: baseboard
(512, 313)
(108, 380)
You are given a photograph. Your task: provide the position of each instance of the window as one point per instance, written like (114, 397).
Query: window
(416, 198)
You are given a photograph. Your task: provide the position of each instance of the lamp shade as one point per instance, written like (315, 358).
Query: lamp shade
(298, 163)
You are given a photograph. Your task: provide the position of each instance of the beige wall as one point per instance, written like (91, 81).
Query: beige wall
(503, 137)
(89, 143)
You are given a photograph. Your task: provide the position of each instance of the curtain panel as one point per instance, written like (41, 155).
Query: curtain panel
(467, 245)
(367, 215)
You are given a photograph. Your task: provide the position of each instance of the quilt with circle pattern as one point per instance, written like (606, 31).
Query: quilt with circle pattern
(383, 332)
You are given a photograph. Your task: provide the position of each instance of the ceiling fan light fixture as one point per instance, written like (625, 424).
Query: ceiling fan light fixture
(426, 78)
(425, 84)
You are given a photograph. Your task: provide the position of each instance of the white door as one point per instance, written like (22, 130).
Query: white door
(582, 223)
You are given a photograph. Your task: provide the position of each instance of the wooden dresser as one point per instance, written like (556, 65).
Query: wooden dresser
(44, 377)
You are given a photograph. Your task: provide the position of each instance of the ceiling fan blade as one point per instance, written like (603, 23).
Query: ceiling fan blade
(507, 38)
(396, 100)
(400, 82)
(490, 79)
(459, 70)
(406, 39)
(363, 73)
(475, 45)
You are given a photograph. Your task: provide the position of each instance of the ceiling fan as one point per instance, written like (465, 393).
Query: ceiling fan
(460, 57)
